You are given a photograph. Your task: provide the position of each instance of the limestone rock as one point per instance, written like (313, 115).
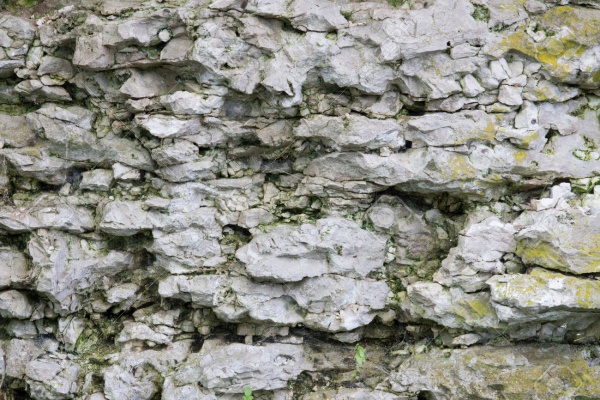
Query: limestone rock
(18, 354)
(56, 215)
(181, 151)
(98, 179)
(13, 268)
(478, 255)
(163, 126)
(202, 290)
(126, 218)
(14, 304)
(268, 367)
(189, 249)
(521, 370)
(452, 307)
(351, 394)
(191, 103)
(14, 131)
(333, 246)
(541, 295)
(562, 240)
(67, 266)
(352, 131)
(31, 162)
(144, 83)
(52, 379)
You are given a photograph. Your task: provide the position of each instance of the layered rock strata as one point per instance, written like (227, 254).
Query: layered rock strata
(205, 198)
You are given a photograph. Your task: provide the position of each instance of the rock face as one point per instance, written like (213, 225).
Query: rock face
(309, 199)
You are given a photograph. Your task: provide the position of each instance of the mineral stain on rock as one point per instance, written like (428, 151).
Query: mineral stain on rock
(205, 199)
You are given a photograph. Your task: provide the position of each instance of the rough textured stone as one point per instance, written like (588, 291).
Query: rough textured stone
(268, 367)
(564, 240)
(379, 199)
(522, 370)
(334, 246)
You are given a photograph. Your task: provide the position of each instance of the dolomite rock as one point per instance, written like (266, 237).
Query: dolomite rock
(268, 366)
(333, 246)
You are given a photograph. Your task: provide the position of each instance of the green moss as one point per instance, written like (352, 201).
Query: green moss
(481, 13)
(397, 3)
(11, 4)
(16, 109)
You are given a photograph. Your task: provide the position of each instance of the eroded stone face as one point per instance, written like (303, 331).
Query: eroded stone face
(564, 240)
(200, 199)
(522, 370)
(333, 246)
(267, 367)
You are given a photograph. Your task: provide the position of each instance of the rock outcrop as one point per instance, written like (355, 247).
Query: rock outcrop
(222, 199)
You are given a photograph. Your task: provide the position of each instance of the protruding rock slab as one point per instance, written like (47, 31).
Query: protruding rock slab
(229, 368)
(543, 294)
(565, 240)
(333, 245)
(536, 372)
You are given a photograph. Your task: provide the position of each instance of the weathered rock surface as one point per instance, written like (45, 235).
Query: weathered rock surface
(515, 371)
(268, 367)
(333, 246)
(202, 198)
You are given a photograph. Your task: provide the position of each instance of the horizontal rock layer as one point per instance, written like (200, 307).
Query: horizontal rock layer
(299, 199)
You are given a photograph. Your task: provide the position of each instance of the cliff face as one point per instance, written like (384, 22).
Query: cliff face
(205, 198)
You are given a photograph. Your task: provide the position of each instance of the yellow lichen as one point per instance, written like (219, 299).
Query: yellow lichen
(540, 253)
(520, 155)
(457, 167)
(570, 32)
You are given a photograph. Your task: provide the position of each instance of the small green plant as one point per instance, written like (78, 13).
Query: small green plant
(360, 355)
(248, 393)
